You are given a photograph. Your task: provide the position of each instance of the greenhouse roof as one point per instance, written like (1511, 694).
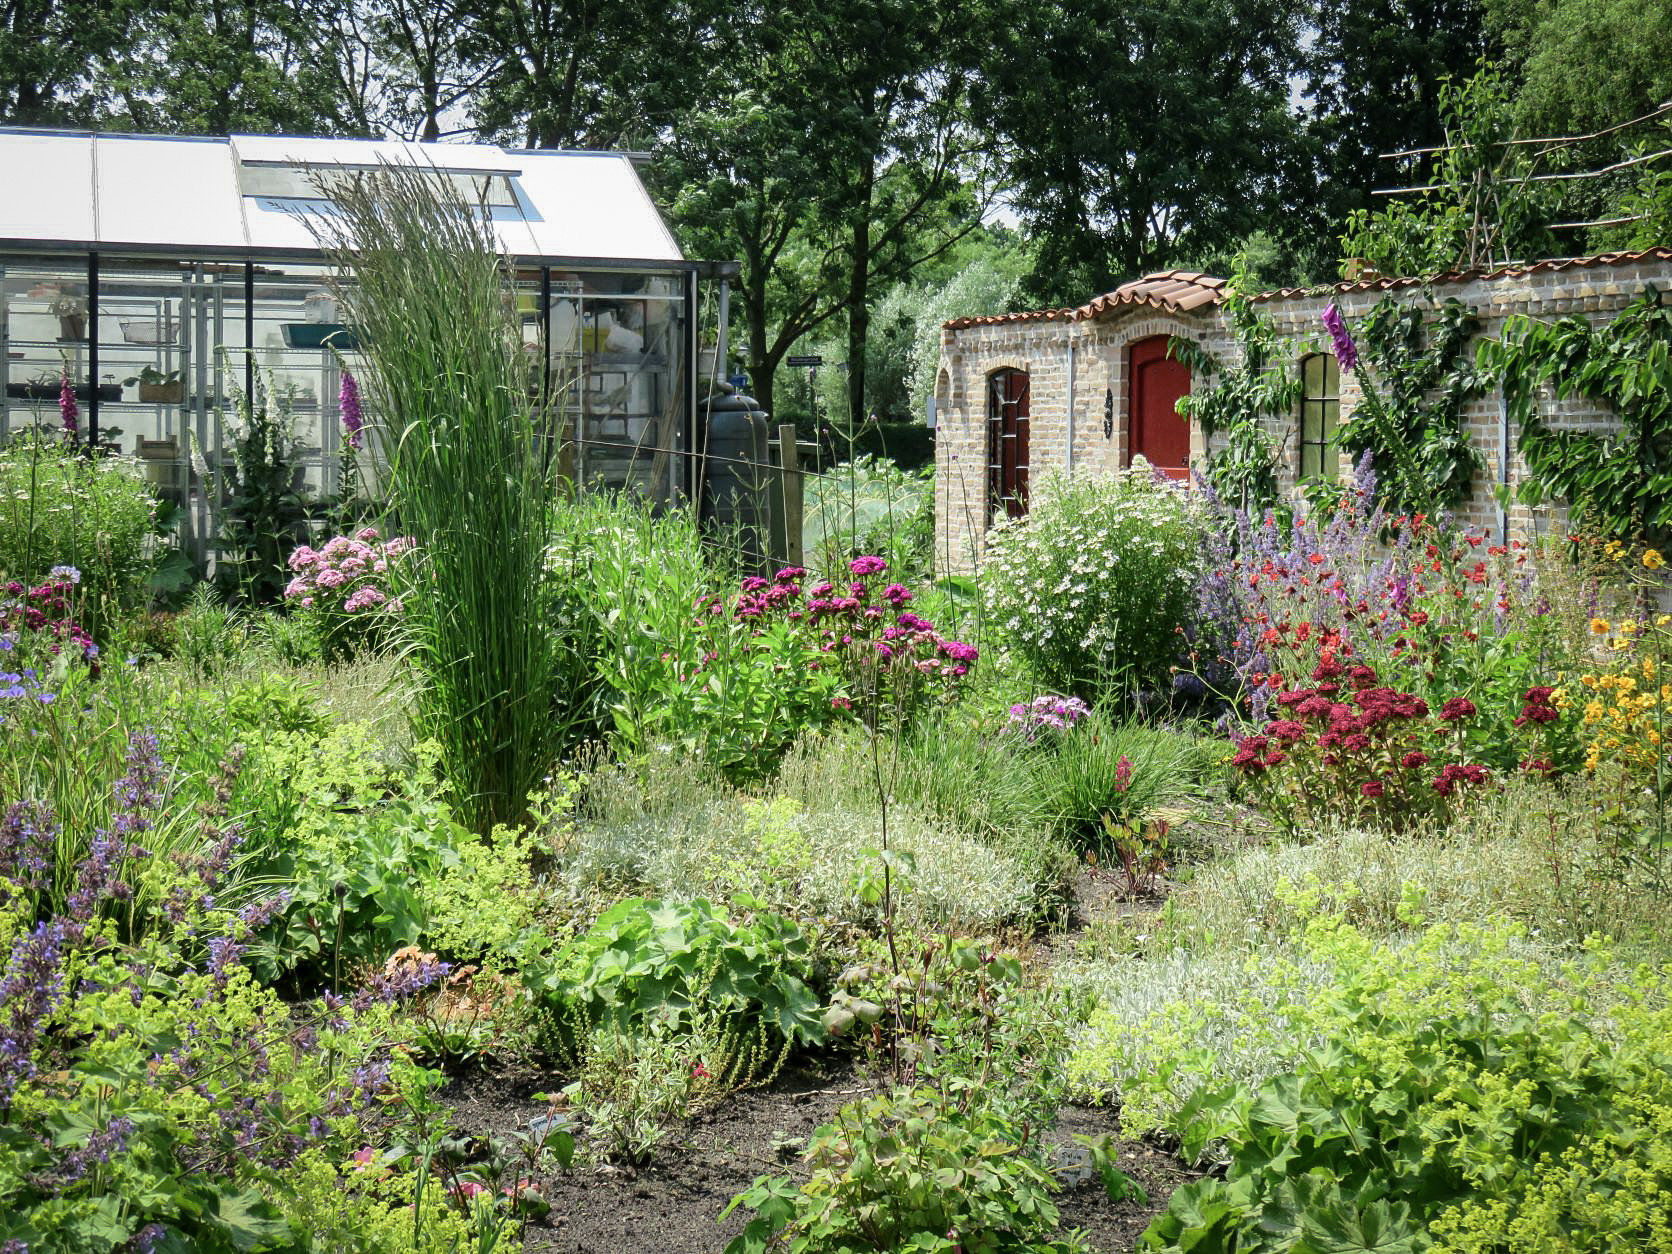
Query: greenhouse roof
(251, 194)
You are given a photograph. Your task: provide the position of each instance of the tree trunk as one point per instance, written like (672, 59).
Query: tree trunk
(859, 285)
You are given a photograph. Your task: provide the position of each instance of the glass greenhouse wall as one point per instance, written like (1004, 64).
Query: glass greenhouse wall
(159, 331)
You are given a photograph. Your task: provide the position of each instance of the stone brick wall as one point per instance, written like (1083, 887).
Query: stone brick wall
(1100, 348)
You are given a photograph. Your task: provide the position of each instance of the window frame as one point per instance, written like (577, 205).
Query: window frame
(1325, 404)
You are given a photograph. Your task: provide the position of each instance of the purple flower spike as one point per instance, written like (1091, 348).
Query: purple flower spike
(68, 411)
(348, 400)
(1346, 352)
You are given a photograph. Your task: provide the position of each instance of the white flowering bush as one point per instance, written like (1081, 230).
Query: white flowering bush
(61, 507)
(1091, 587)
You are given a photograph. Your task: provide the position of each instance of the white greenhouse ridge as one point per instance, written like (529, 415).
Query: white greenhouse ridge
(247, 194)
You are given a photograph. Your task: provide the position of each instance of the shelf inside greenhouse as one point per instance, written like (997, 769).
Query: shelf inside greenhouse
(162, 307)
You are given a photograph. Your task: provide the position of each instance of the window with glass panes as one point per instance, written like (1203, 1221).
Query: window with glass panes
(1320, 411)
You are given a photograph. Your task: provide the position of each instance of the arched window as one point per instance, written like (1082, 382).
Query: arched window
(1320, 412)
(1007, 442)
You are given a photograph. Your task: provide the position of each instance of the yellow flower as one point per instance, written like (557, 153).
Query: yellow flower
(1590, 681)
(1593, 712)
(1599, 626)
(1628, 626)
(1653, 736)
(1652, 559)
(1618, 643)
(1663, 620)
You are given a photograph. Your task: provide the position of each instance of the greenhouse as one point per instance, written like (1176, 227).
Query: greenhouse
(161, 276)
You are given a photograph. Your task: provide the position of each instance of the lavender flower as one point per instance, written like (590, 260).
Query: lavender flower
(260, 913)
(348, 400)
(31, 990)
(1346, 352)
(68, 412)
(102, 1144)
(28, 836)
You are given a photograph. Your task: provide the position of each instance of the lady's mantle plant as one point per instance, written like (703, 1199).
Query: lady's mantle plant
(1092, 587)
(152, 1095)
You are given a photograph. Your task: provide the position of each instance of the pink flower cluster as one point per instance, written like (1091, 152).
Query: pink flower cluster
(47, 613)
(347, 573)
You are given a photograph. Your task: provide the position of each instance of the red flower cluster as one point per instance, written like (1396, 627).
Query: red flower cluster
(1536, 707)
(45, 611)
(1351, 742)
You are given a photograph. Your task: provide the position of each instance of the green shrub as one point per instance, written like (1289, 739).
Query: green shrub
(375, 860)
(1080, 781)
(669, 960)
(803, 857)
(1093, 585)
(94, 512)
(957, 779)
(152, 1094)
(1466, 1099)
(208, 633)
(951, 1153)
(870, 505)
(633, 578)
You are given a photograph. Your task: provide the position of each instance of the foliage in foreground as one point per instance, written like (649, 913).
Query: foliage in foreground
(1459, 1100)
(152, 1095)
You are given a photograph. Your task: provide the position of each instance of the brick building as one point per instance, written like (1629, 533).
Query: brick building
(1084, 389)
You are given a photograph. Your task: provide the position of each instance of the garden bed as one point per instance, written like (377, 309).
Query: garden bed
(671, 1204)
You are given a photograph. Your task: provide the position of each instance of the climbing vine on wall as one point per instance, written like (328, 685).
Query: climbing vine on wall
(1416, 375)
(1262, 384)
(1618, 482)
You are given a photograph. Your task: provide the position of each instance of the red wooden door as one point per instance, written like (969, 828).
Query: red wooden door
(1156, 430)
(1007, 442)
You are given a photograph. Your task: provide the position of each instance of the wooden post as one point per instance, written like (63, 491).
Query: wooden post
(789, 461)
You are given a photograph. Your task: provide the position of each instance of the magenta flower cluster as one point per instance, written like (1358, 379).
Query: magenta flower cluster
(862, 624)
(69, 414)
(348, 402)
(347, 573)
(46, 613)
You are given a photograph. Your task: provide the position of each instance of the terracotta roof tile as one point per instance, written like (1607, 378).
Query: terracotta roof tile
(1185, 291)
(1389, 284)
(1172, 291)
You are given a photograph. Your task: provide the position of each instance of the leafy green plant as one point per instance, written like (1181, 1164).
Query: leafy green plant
(1461, 1097)
(265, 510)
(1410, 414)
(376, 860)
(951, 1152)
(151, 1093)
(505, 689)
(870, 505)
(1619, 481)
(1243, 400)
(901, 1172)
(93, 512)
(208, 633)
(648, 960)
(630, 1082)
(1081, 780)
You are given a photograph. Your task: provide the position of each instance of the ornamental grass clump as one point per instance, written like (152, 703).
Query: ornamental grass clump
(471, 477)
(1092, 588)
